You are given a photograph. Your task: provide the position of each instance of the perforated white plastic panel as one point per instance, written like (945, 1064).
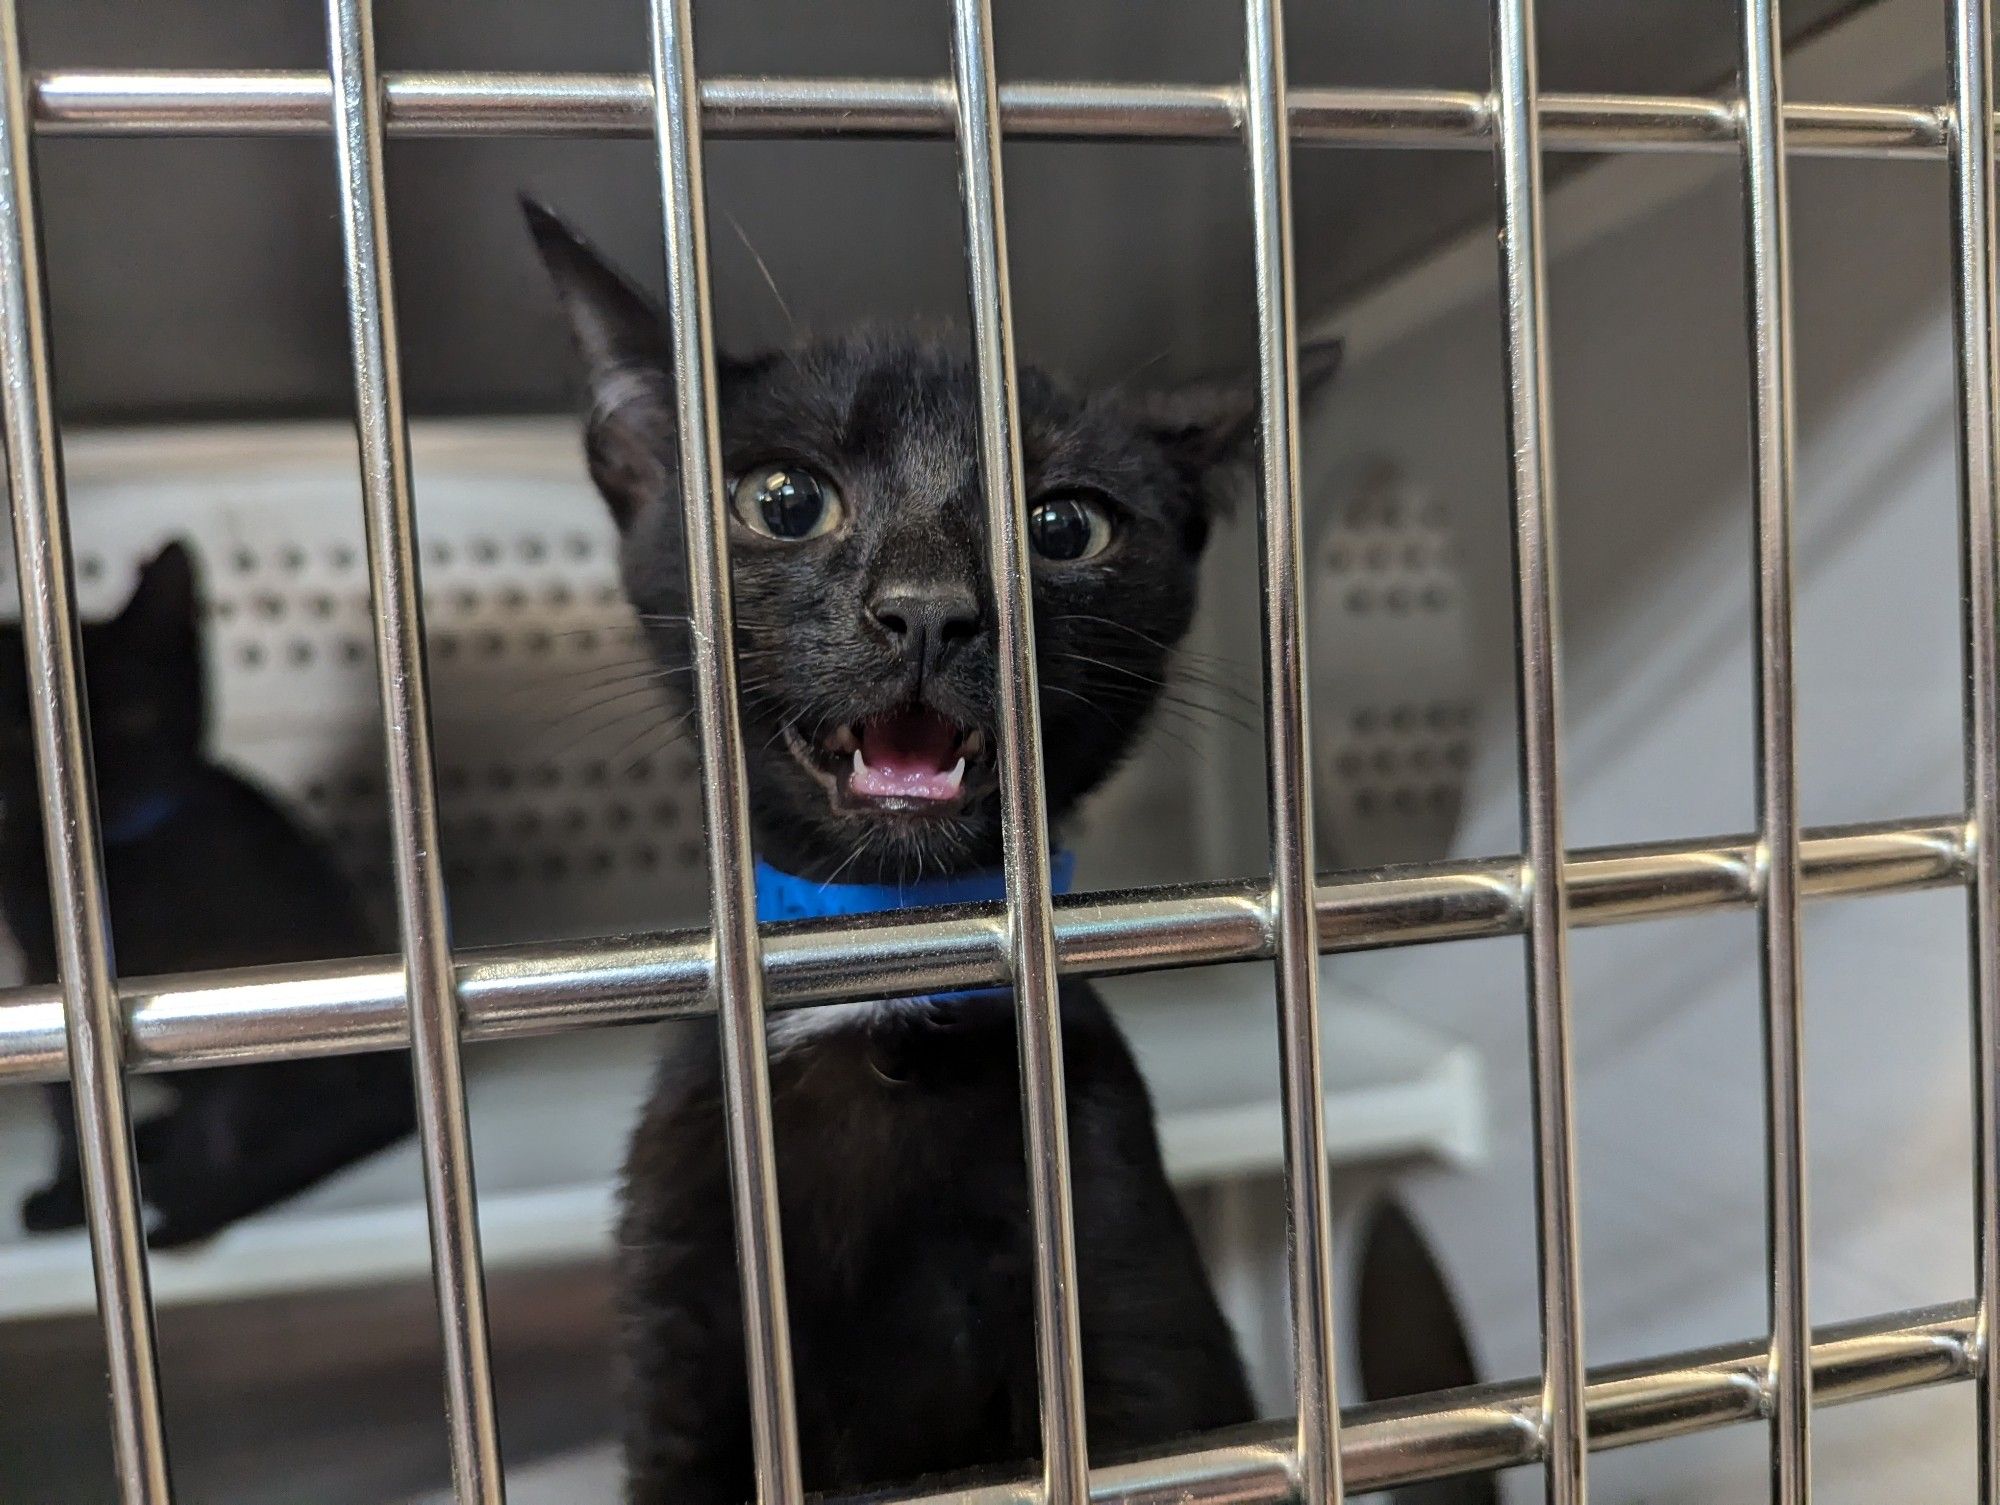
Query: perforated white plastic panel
(1392, 693)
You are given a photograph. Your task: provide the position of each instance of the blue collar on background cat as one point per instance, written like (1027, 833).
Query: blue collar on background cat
(141, 818)
(781, 896)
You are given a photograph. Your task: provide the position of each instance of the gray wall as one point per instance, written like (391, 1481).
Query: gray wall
(201, 277)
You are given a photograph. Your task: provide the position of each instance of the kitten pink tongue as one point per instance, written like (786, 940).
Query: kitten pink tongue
(909, 755)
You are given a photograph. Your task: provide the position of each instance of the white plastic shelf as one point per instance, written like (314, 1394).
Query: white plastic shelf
(550, 1120)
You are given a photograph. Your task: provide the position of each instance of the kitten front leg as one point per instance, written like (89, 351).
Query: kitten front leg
(687, 1432)
(59, 1204)
(1160, 1360)
(245, 1138)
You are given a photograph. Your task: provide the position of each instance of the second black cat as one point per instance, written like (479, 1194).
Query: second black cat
(203, 871)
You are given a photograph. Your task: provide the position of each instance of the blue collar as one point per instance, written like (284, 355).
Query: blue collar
(140, 819)
(781, 896)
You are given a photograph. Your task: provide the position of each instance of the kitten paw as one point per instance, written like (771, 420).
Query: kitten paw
(54, 1208)
(187, 1227)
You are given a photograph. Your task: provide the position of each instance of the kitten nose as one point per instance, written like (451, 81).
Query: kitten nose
(927, 623)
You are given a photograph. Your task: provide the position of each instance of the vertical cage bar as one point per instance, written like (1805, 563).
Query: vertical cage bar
(389, 512)
(1289, 772)
(1031, 949)
(1524, 277)
(1975, 252)
(93, 1021)
(1767, 262)
(739, 967)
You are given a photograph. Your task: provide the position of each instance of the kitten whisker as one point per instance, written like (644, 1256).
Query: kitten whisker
(1147, 364)
(1178, 650)
(672, 730)
(1144, 637)
(581, 686)
(1189, 707)
(603, 728)
(1101, 710)
(612, 623)
(562, 737)
(859, 847)
(1169, 694)
(769, 281)
(785, 724)
(1180, 675)
(607, 697)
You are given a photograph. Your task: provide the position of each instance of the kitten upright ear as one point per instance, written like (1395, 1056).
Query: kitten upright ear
(165, 605)
(1210, 424)
(622, 336)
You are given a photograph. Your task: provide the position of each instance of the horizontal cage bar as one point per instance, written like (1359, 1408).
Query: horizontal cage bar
(326, 1008)
(89, 102)
(1392, 1443)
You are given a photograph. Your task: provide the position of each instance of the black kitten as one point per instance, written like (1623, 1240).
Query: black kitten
(863, 630)
(203, 871)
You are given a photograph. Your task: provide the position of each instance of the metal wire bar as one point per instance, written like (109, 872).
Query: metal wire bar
(1975, 263)
(326, 1008)
(737, 960)
(89, 1016)
(1768, 271)
(91, 102)
(1535, 1419)
(1402, 1442)
(430, 985)
(1030, 930)
(1523, 279)
(1288, 771)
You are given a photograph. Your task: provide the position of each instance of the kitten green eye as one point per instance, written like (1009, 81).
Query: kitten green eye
(785, 501)
(1069, 527)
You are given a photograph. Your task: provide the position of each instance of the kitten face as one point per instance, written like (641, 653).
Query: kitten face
(143, 677)
(864, 620)
(865, 647)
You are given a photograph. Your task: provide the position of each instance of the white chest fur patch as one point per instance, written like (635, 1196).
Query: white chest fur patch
(791, 1028)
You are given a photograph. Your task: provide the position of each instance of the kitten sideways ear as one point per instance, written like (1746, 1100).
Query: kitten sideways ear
(1209, 424)
(622, 335)
(165, 603)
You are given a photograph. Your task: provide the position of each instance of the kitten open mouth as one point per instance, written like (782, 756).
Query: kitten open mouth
(911, 760)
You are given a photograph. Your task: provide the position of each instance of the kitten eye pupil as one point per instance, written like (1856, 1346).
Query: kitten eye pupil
(786, 502)
(791, 502)
(1068, 528)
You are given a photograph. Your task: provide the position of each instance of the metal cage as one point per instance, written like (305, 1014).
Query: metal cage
(96, 1027)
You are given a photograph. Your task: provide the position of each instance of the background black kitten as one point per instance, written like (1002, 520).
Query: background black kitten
(203, 871)
(867, 662)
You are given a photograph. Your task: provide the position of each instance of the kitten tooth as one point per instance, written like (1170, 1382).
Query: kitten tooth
(860, 763)
(842, 740)
(957, 775)
(975, 743)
